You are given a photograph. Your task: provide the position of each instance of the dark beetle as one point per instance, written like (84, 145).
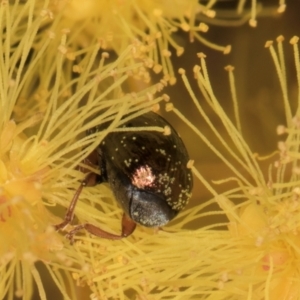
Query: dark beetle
(147, 172)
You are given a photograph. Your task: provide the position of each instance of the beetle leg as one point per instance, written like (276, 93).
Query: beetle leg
(89, 180)
(91, 160)
(128, 227)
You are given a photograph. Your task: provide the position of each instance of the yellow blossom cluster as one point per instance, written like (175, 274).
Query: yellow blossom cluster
(58, 79)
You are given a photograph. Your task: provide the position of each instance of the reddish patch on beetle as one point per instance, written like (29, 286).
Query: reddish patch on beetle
(143, 177)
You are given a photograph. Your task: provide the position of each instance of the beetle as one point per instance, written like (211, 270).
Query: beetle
(147, 171)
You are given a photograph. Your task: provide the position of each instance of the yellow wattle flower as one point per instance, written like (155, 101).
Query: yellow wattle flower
(117, 23)
(261, 249)
(44, 81)
(45, 112)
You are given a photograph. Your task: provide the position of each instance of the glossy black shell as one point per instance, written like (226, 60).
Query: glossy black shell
(147, 170)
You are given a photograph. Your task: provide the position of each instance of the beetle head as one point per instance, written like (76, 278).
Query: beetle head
(149, 209)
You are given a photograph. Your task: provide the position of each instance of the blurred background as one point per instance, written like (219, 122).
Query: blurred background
(258, 90)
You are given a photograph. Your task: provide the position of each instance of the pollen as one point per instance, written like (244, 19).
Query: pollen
(143, 177)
